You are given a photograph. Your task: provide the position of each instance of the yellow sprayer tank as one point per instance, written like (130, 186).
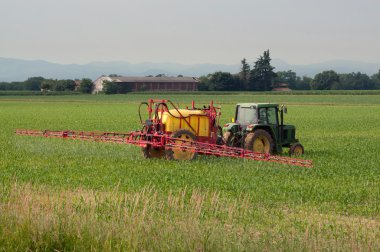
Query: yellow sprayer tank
(198, 120)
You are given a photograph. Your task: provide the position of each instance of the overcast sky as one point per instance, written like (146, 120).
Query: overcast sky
(190, 31)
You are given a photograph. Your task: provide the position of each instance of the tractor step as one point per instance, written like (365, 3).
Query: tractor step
(163, 141)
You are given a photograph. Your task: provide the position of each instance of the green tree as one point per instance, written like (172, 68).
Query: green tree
(58, 85)
(244, 73)
(124, 88)
(63, 85)
(47, 84)
(237, 83)
(221, 81)
(262, 75)
(289, 77)
(204, 83)
(110, 87)
(376, 79)
(86, 86)
(325, 80)
(69, 85)
(303, 83)
(355, 81)
(33, 83)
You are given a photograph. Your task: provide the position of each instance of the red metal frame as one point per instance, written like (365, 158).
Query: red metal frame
(164, 141)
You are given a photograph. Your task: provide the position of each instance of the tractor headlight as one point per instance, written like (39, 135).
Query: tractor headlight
(249, 127)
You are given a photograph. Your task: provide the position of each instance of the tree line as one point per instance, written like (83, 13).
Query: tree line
(46, 85)
(262, 77)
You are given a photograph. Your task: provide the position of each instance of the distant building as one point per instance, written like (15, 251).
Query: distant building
(150, 83)
(281, 87)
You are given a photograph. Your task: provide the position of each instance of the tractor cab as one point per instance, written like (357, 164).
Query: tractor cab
(251, 114)
(260, 127)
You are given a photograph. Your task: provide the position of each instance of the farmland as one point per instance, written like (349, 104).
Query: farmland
(71, 195)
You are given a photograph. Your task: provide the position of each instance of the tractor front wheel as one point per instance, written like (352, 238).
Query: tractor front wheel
(184, 139)
(228, 138)
(259, 141)
(296, 149)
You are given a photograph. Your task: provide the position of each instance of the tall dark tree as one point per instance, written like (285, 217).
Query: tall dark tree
(262, 75)
(325, 80)
(244, 73)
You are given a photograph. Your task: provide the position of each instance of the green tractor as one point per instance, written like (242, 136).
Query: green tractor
(259, 127)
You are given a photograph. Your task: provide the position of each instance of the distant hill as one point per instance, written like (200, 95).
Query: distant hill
(19, 70)
(340, 66)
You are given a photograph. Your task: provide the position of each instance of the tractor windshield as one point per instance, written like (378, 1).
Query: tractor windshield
(246, 115)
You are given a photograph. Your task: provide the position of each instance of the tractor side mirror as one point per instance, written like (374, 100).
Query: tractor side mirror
(284, 108)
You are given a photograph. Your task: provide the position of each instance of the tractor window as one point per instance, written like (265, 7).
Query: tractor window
(268, 116)
(263, 116)
(246, 115)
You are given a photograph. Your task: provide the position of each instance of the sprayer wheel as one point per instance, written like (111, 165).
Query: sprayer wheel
(178, 153)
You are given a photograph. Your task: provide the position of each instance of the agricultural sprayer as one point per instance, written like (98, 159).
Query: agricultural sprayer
(175, 134)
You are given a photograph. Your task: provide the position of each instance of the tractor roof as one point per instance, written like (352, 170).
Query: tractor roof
(258, 105)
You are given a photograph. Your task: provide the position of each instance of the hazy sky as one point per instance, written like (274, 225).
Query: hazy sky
(192, 31)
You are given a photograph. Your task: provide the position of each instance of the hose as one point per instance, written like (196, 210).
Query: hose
(143, 103)
(166, 106)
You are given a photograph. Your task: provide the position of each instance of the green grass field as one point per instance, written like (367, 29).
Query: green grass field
(69, 195)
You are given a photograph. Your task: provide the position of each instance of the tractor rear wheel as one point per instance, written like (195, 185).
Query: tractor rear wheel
(178, 153)
(259, 141)
(151, 152)
(296, 149)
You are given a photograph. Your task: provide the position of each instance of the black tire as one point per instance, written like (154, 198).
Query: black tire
(228, 138)
(259, 141)
(296, 149)
(178, 153)
(150, 152)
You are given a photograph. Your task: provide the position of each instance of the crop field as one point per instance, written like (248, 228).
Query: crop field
(64, 195)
